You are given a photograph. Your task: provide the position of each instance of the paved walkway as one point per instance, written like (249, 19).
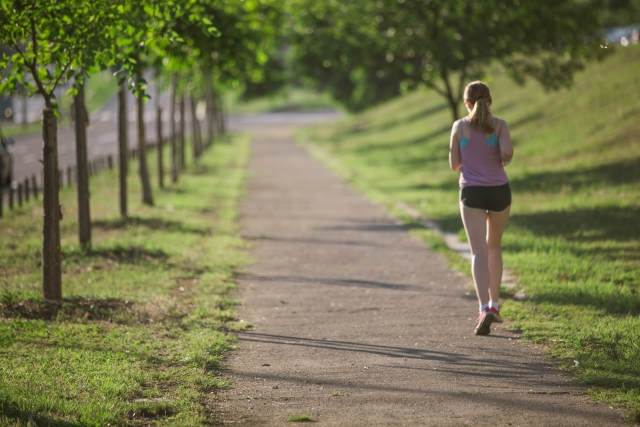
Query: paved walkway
(359, 324)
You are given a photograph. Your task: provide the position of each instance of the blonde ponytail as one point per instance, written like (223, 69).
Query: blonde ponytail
(477, 93)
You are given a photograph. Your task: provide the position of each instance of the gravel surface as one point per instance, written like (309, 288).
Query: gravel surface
(358, 323)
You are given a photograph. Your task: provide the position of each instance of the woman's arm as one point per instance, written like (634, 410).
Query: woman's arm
(454, 148)
(506, 147)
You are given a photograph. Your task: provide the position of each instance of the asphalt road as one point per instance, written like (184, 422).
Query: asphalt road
(102, 136)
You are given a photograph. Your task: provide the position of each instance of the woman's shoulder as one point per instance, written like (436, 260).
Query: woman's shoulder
(499, 121)
(460, 122)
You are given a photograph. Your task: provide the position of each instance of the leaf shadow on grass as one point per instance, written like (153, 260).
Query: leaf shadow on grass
(9, 410)
(119, 253)
(590, 233)
(392, 145)
(153, 223)
(524, 120)
(72, 309)
(584, 225)
(419, 115)
(611, 174)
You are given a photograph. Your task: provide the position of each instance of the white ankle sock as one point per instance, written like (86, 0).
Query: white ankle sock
(495, 305)
(483, 307)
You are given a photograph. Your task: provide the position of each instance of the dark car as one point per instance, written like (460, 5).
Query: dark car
(6, 162)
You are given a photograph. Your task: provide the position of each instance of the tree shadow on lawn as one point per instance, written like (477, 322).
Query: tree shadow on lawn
(9, 409)
(607, 233)
(619, 173)
(395, 144)
(71, 309)
(153, 223)
(360, 127)
(122, 254)
(586, 225)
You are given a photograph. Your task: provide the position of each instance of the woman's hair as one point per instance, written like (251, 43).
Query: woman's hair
(477, 93)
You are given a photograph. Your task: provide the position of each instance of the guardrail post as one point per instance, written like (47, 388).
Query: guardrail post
(26, 189)
(19, 194)
(11, 196)
(34, 186)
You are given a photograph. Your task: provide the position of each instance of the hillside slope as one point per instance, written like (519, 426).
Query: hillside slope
(574, 234)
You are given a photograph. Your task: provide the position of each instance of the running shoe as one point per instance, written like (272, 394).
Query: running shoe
(485, 319)
(496, 315)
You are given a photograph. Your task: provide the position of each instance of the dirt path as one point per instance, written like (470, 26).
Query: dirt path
(346, 302)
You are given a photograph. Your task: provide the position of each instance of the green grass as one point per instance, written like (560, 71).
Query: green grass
(300, 418)
(146, 316)
(573, 237)
(291, 99)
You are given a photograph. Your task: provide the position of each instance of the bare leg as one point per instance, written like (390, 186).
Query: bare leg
(475, 224)
(497, 221)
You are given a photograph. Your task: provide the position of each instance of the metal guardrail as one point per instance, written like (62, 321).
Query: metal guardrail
(19, 193)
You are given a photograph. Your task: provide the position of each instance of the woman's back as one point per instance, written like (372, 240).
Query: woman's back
(480, 156)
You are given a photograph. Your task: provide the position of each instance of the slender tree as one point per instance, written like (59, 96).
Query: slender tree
(183, 162)
(159, 145)
(48, 38)
(194, 128)
(147, 197)
(172, 128)
(82, 171)
(123, 148)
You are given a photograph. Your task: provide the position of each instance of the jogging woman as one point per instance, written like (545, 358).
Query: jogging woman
(481, 147)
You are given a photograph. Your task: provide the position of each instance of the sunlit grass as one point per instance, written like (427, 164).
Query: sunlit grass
(573, 237)
(145, 319)
(289, 99)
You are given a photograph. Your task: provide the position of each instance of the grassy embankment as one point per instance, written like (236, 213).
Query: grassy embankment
(145, 319)
(574, 234)
(293, 99)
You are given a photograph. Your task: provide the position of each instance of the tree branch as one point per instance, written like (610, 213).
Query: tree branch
(445, 78)
(32, 65)
(62, 73)
(461, 85)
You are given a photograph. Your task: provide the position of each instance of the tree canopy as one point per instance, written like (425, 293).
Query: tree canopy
(364, 52)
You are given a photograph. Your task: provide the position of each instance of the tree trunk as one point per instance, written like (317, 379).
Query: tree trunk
(201, 146)
(183, 162)
(451, 98)
(82, 172)
(454, 108)
(214, 113)
(147, 199)
(209, 116)
(221, 126)
(159, 145)
(51, 268)
(194, 129)
(25, 111)
(172, 123)
(123, 148)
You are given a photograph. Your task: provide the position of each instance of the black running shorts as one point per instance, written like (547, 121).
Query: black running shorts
(493, 199)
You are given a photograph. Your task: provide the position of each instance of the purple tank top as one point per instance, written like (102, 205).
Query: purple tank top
(481, 159)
